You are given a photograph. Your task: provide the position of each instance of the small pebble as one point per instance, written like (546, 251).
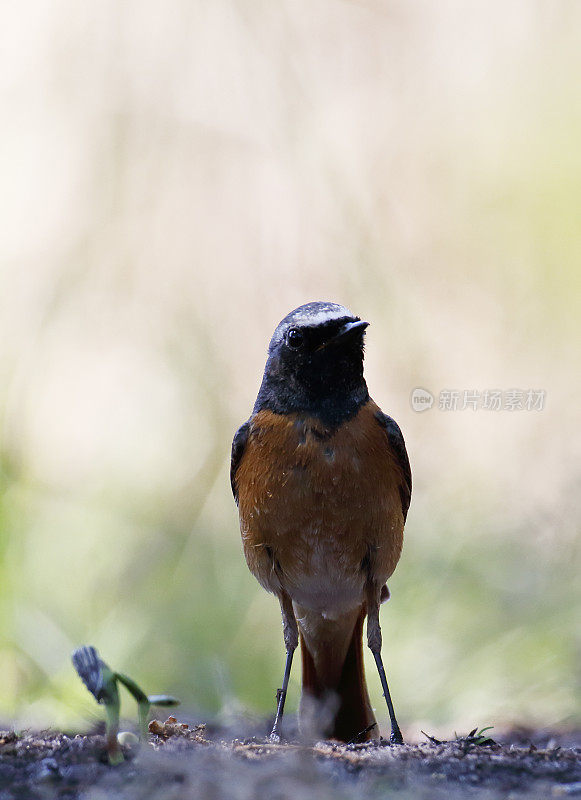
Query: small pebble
(48, 770)
(155, 726)
(127, 739)
(567, 789)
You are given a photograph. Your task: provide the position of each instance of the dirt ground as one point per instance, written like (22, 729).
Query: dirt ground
(198, 762)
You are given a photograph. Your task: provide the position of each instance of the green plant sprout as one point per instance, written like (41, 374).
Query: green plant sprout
(474, 737)
(102, 682)
(479, 737)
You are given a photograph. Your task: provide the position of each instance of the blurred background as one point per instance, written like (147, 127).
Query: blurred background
(177, 176)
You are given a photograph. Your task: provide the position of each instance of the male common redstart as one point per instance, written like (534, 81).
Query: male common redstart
(323, 484)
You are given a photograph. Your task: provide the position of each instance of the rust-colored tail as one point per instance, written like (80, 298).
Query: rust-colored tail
(334, 697)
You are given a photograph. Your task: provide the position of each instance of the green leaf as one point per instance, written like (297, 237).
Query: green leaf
(163, 700)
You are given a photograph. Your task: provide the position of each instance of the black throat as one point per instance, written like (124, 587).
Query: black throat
(331, 396)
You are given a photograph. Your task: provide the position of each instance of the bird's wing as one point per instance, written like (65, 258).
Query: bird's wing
(238, 445)
(397, 444)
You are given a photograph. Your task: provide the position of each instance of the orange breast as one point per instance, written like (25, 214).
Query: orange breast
(319, 509)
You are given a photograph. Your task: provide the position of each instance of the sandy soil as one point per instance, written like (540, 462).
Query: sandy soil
(182, 762)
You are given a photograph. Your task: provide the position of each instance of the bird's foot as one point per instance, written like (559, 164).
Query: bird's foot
(275, 737)
(396, 737)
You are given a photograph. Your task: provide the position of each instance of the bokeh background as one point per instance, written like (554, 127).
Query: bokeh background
(175, 177)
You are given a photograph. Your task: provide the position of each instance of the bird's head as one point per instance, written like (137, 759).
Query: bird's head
(315, 361)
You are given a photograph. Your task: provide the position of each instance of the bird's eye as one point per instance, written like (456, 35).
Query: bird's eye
(294, 338)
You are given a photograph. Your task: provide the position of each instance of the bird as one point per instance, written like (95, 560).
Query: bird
(322, 481)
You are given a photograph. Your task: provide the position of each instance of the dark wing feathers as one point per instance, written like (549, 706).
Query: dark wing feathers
(238, 445)
(397, 444)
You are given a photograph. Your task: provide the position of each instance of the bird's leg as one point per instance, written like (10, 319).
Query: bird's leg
(291, 639)
(374, 642)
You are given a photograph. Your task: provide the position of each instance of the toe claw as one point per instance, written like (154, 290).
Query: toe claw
(396, 737)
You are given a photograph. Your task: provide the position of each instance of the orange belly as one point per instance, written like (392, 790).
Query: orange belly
(320, 511)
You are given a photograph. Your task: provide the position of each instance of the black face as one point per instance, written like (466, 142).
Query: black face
(315, 364)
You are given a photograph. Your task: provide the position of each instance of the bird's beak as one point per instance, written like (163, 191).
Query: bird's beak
(349, 330)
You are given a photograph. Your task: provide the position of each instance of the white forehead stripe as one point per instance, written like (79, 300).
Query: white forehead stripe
(322, 314)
